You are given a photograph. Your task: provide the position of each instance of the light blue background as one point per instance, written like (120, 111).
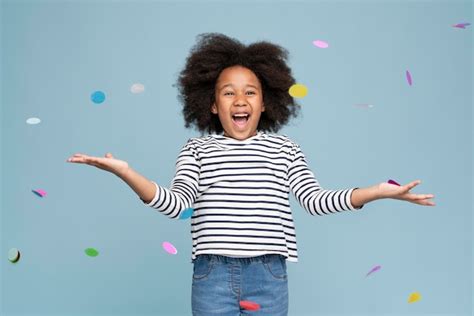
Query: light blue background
(56, 53)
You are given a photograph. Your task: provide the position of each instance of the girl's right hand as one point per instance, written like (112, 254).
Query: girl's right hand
(108, 163)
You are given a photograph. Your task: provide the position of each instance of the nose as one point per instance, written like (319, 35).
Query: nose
(240, 100)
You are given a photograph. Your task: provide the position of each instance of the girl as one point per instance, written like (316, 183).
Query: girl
(238, 177)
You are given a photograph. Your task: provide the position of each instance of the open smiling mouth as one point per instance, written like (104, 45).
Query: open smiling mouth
(240, 119)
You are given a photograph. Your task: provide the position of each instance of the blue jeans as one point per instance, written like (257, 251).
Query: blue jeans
(220, 283)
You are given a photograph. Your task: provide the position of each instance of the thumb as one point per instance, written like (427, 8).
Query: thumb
(108, 155)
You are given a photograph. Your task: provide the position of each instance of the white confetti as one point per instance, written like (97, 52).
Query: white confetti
(33, 121)
(137, 88)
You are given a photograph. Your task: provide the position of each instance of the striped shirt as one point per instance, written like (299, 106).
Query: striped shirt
(239, 190)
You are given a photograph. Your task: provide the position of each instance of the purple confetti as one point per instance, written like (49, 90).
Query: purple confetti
(408, 77)
(376, 268)
(393, 182)
(461, 25)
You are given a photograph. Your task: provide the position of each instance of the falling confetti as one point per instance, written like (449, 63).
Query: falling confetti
(414, 297)
(33, 121)
(98, 97)
(374, 269)
(298, 90)
(39, 192)
(13, 255)
(91, 252)
(461, 25)
(187, 213)
(249, 305)
(408, 77)
(320, 44)
(137, 88)
(393, 182)
(169, 248)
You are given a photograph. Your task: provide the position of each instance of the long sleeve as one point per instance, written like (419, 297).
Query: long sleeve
(184, 186)
(309, 194)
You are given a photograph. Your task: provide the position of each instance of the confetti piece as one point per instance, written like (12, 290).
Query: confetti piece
(298, 90)
(33, 121)
(320, 44)
(39, 192)
(91, 252)
(376, 268)
(393, 182)
(364, 105)
(461, 25)
(414, 297)
(169, 248)
(98, 97)
(408, 77)
(13, 255)
(249, 305)
(187, 213)
(137, 88)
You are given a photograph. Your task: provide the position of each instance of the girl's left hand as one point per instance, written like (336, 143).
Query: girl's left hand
(402, 192)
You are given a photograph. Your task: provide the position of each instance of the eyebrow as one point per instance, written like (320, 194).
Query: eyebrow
(231, 85)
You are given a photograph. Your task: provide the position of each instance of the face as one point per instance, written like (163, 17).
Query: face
(239, 102)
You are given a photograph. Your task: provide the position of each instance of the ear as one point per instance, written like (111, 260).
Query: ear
(214, 108)
(263, 107)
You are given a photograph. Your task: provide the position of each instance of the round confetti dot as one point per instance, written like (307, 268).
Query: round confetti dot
(33, 121)
(298, 90)
(137, 88)
(98, 97)
(249, 305)
(13, 255)
(414, 297)
(169, 248)
(320, 44)
(91, 252)
(187, 213)
(39, 192)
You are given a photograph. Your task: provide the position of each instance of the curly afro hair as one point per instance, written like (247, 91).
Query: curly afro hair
(215, 52)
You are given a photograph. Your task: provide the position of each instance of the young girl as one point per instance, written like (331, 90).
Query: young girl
(238, 178)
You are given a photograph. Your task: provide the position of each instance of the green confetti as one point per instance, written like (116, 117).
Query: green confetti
(91, 252)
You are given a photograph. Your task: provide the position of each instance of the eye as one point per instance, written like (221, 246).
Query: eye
(228, 93)
(251, 92)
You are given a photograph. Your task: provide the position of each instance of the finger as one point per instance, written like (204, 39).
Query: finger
(412, 184)
(109, 155)
(424, 196)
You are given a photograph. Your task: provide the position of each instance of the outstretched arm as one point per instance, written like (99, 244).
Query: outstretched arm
(385, 190)
(143, 187)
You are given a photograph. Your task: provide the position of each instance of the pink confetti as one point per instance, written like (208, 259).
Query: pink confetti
(408, 77)
(393, 182)
(249, 305)
(320, 44)
(40, 193)
(461, 25)
(169, 248)
(376, 268)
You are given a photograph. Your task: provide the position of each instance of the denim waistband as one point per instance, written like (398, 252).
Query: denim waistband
(248, 260)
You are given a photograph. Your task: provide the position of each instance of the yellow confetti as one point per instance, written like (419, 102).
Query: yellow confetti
(298, 91)
(414, 297)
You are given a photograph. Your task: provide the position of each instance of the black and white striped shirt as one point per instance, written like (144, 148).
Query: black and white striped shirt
(239, 190)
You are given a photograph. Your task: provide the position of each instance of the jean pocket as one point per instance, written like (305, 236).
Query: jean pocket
(277, 267)
(202, 268)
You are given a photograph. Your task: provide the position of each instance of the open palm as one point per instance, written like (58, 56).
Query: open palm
(402, 192)
(108, 163)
